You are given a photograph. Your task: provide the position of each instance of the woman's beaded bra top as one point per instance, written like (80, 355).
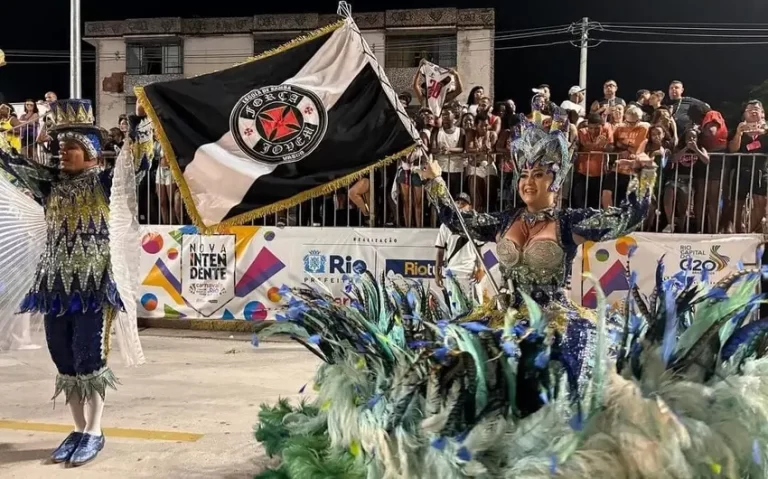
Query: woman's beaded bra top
(540, 264)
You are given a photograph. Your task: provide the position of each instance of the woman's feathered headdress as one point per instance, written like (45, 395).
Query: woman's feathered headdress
(542, 141)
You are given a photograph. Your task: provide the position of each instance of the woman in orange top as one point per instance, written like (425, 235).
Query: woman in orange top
(594, 140)
(630, 138)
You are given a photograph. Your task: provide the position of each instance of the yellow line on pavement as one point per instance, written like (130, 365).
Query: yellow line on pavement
(108, 431)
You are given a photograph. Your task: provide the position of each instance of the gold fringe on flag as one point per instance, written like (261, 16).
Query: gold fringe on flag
(178, 175)
(314, 192)
(173, 162)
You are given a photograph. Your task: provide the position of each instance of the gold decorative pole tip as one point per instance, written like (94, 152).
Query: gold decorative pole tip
(2, 58)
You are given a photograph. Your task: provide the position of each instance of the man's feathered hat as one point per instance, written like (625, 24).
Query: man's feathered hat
(73, 120)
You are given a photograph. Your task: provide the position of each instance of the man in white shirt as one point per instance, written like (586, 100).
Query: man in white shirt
(448, 144)
(575, 97)
(454, 252)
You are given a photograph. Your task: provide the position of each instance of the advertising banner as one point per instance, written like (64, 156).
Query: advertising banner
(608, 261)
(238, 273)
(207, 272)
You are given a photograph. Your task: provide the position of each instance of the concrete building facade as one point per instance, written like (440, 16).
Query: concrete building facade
(136, 52)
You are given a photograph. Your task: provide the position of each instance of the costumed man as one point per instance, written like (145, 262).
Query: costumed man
(85, 269)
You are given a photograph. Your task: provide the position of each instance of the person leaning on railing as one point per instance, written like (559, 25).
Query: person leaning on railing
(712, 180)
(510, 128)
(594, 140)
(8, 127)
(751, 139)
(678, 189)
(659, 149)
(409, 182)
(662, 116)
(630, 137)
(447, 143)
(28, 127)
(481, 167)
(49, 146)
(486, 107)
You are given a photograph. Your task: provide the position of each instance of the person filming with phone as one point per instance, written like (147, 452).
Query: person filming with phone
(751, 141)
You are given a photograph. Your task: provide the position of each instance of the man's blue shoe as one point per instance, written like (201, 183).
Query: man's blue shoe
(87, 450)
(66, 448)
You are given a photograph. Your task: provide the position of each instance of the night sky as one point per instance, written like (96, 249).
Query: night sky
(715, 74)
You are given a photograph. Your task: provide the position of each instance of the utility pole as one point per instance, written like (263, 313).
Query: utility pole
(583, 59)
(75, 54)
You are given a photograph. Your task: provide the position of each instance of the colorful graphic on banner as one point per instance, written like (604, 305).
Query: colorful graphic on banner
(254, 266)
(207, 271)
(607, 262)
(266, 259)
(614, 278)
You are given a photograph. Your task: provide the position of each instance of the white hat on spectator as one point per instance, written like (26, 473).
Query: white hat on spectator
(569, 105)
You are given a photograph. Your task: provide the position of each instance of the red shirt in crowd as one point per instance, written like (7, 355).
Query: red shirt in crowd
(718, 141)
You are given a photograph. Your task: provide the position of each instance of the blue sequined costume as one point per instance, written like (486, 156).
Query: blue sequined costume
(541, 271)
(539, 267)
(74, 286)
(74, 274)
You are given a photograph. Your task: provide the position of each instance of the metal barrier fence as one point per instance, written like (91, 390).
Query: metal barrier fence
(726, 195)
(26, 139)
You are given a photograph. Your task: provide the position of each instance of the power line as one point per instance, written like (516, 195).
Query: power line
(449, 47)
(215, 60)
(391, 45)
(664, 42)
(667, 34)
(690, 26)
(516, 47)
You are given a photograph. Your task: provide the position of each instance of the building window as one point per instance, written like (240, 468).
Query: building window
(261, 45)
(154, 58)
(130, 105)
(407, 51)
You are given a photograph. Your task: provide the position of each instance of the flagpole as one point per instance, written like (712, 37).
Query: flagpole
(75, 56)
(345, 10)
(471, 242)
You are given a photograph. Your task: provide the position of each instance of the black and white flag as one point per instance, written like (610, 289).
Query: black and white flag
(289, 125)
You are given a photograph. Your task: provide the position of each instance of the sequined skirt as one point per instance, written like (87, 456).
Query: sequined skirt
(554, 344)
(78, 301)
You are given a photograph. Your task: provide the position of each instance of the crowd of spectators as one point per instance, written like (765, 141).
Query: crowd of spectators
(711, 178)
